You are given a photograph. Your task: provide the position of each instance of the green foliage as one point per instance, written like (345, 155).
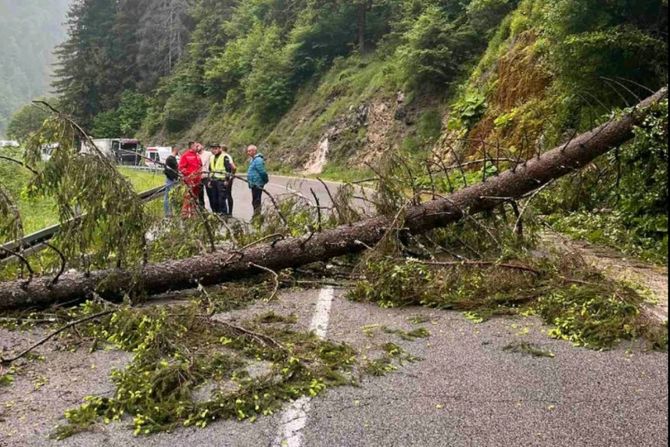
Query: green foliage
(436, 49)
(124, 121)
(591, 316)
(393, 356)
(182, 110)
(87, 187)
(7, 378)
(617, 40)
(467, 111)
(624, 203)
(485, 15)
(581, 305)
(267, 89)
(429, 127)
(179, 351)
(25, 122)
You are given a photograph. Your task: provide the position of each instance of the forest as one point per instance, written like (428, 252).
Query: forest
(489, 158)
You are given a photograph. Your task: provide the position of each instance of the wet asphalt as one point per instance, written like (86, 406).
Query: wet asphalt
(466, 391)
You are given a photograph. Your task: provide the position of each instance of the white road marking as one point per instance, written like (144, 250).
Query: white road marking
(294, 418)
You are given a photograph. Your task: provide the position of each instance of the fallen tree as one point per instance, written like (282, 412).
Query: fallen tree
(222, 266)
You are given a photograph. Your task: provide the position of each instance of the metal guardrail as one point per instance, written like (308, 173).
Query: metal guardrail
(143, 168)
(34, 240)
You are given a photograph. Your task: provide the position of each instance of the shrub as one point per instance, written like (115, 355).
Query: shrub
(181, 110)
(124, 120)
(485, 15)
(267, 88)
(27, 120)
(435, 49)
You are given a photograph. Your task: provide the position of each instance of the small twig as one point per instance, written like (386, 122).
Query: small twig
(332, 199)
(223, 222)
(518, 226)
(277, 236)
(63, 263)
(211, 309)
(318, 211)
(365, 180)
(357, 242)
(81, 131)
(5, 361)
(260, 338)
(577, 281)
(31, 273)
(525, 206)
(274, 275)
(309, 237)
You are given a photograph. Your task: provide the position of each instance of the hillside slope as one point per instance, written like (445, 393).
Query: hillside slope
(545, 71)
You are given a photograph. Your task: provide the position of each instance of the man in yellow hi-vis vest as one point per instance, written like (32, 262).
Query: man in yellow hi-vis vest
(223, 170)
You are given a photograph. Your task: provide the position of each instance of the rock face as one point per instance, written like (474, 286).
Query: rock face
(317, 161)
(360, 135)
(339, 134)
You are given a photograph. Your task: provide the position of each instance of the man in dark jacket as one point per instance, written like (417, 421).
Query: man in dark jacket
(171, 178)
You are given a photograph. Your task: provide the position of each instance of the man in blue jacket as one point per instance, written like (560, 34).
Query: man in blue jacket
(257, 176)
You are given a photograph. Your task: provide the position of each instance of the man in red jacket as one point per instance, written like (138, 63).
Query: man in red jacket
(190, 167)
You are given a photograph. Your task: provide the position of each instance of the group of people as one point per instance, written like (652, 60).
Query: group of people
(211, 172)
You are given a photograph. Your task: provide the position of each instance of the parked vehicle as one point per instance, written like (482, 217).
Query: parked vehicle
(122, 150)
(9, 143)
(156, 156)
(48, 149)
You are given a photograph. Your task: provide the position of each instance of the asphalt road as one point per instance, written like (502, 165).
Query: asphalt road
(279, 187)
(467, 391)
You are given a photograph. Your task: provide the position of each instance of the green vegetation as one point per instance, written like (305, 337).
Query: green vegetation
(582, 306)
(26, 121)
(7, 378)
(143, 180)
(178, 350)
(39, 212)
(393, 356)
(623, 202)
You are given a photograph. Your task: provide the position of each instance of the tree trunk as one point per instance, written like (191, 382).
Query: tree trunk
(224, 266)
(362, 25)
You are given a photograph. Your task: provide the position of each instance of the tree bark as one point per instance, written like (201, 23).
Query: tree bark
(362, 18)
(223, 266)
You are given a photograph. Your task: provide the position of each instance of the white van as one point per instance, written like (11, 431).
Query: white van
(157, 156)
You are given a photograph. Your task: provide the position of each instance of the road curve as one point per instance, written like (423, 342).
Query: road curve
(280, 186)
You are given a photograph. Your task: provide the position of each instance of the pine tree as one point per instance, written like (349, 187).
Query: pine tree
(85, 74)
(162, 37)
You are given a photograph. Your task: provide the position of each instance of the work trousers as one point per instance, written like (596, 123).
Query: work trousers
(256, 199)
(217, 195)
(228, 197)
(167, 206)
